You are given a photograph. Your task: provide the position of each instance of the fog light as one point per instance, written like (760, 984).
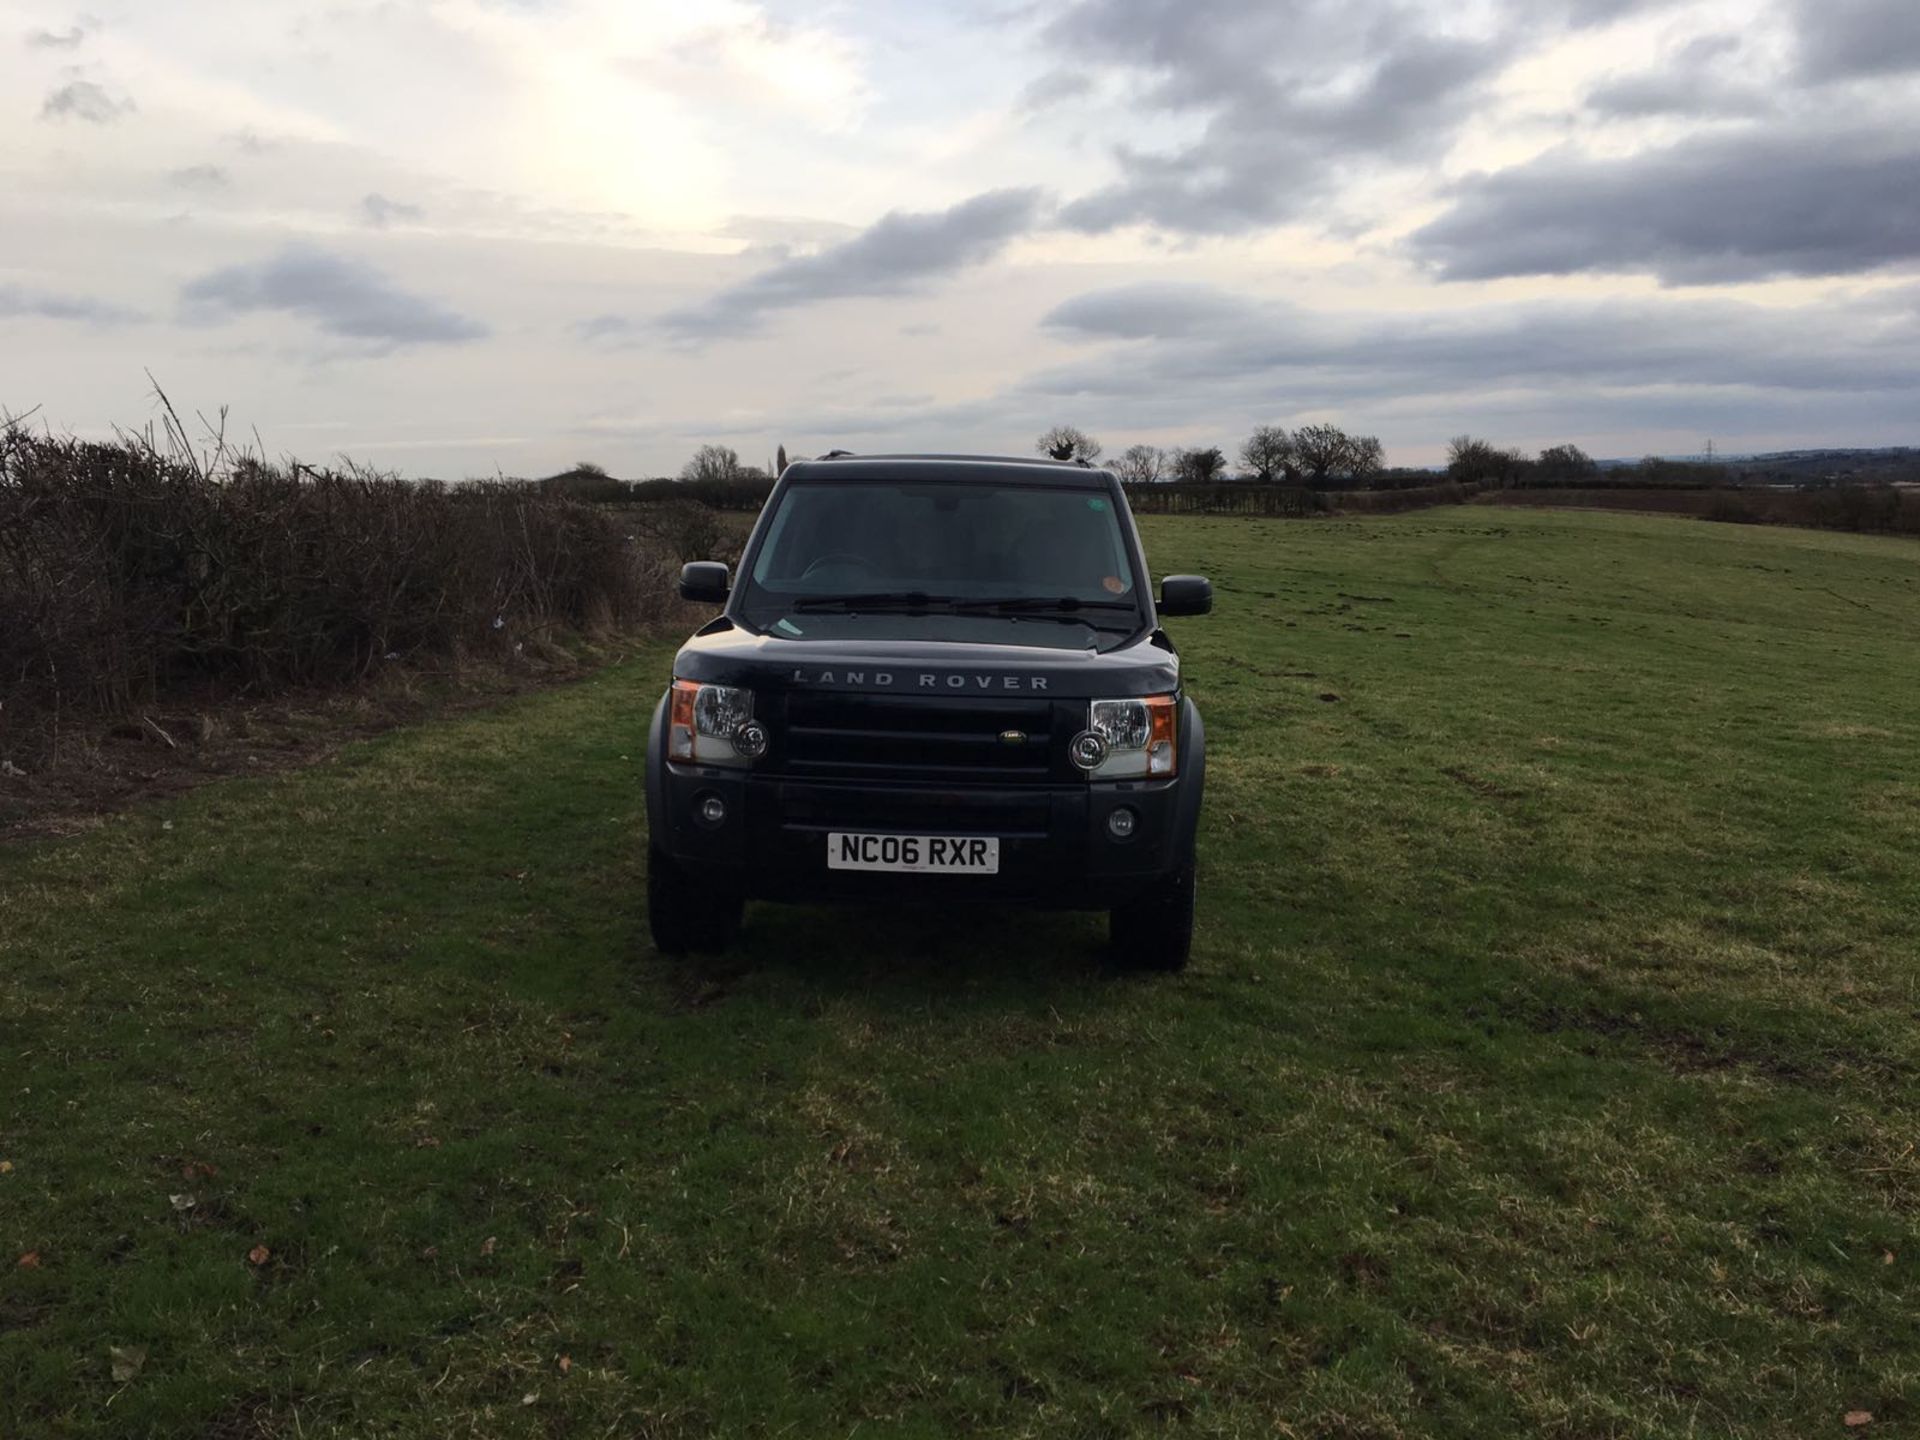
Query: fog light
(751, 740)
(1087, 750)
(1121, 823)
(710, 809)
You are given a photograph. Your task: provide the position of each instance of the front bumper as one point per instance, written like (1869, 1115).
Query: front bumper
(1055, 849)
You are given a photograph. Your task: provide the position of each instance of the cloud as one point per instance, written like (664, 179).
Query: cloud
(84, 100)
(752, 60)
(899, 253)
(1198, 363)
(1848, 39)
(200, 177)
(16, 302)
(1206, 364)
(252, 142)
(608, 328)
(380, 212)
(1710, 209)
(1201, 347)
(1702, 81)
(342, 297)
(1637, 97)
(68, 39)
(1150, 312)
(1056, 87)
(1295, 97)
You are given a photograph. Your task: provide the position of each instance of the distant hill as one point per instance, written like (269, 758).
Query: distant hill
(1885, 463)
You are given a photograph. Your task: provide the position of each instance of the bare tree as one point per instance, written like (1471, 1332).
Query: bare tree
(1482, 462)
(1199, 466)
(1068, 442)
(712, 462)
(1565, 464)
(1141, 464)
(1269, 454)
(1366, 458)
(1326, 452)
(1469, 458)
(1321, 449)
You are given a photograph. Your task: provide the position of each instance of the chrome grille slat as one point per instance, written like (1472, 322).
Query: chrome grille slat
(930, 739)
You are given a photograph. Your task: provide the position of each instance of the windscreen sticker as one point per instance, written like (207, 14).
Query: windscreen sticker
(1114, 584)
(1097, 506)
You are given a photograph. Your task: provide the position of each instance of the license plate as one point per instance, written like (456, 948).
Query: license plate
(915, 854)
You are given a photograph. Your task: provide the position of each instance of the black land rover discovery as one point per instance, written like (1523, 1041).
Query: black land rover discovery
(935, 677)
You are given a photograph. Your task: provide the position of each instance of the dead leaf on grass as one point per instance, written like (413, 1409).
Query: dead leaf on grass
(182, 1202)
(6, 1167)
(1856, 1418)
(259, 1255)
(126, 1361)
(486, 1247)
(29, 1261)
(565, 1363)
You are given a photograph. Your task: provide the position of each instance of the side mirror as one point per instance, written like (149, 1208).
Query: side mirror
(1186, 595)
(705, 581)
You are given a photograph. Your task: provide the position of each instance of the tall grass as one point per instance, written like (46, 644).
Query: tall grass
(133, 569)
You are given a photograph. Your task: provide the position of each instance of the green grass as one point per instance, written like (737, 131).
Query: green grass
(1547, 1064)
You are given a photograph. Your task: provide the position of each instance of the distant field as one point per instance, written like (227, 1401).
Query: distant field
(1549, 1063)
(1883, 510)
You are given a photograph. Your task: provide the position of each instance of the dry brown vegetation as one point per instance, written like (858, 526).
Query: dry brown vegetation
(134, 571)
(1867, 509)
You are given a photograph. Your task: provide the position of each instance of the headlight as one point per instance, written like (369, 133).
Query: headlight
(1140, 736)
(706, 724)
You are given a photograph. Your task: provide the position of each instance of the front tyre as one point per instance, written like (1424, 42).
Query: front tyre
(686, 915)
(1155, 931)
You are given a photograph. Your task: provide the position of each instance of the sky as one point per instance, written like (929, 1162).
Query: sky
(476, 237)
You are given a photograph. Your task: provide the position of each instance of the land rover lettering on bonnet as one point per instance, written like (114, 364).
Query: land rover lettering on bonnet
(887, 680)
(934, 678)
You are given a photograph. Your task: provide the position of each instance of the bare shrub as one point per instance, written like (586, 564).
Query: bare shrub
(685, 529)
(129, 570)
(1393, 502)
(1222, 498)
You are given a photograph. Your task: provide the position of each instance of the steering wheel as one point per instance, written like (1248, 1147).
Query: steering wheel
(838, 558)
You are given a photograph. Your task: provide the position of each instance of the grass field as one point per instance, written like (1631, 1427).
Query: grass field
(1548, 1063)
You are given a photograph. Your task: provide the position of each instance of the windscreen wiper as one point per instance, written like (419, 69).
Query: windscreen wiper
(1018, 604)
(1112, 625)
(876, 600)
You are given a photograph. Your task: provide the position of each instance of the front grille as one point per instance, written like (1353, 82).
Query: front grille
(920, 738)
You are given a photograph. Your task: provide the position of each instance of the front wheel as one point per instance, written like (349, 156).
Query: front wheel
(1155, 932)
(686, 915)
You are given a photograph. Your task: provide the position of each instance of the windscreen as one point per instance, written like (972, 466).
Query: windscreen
(967, 540)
